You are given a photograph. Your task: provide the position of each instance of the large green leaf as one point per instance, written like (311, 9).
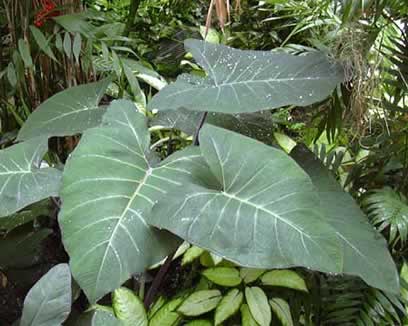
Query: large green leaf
(110, 184)
(67, 113)
(22, 181)
(49, 302)
(264, 215)
(363, 246)
(248, 81)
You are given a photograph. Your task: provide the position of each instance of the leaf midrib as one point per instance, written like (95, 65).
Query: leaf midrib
(257, 207)
(218, 86)
(126, 209)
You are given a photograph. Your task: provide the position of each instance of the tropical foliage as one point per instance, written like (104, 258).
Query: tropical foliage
(171, 162)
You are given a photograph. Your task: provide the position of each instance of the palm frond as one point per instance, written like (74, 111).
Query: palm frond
(348, 301)
(388, 211)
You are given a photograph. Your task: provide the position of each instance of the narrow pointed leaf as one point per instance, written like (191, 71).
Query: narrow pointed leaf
(42, 42)
(25, 53)
(282, 310)
(258, 305)
(67, 113)
(67, 45)
(167, 315)
(22, 181)
(246, 317)
(248, 81)
(225, 276)
(250, 275)
(258, 217)
(200, 302)
(228, 306)
(49, 302)
(76, 47)
(363, 246)
(191, 254)
(156, 306)
(112, 166)
(284, 278)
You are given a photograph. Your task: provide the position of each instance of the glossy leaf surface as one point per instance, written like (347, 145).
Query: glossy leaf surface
(240, 81)
(49, 302)
(284, 278)
(200, 302)
(113, 167)
(22, 180)
(258, 305)
(363, 246)
(228, 305)
(67, 113)
(258, 217)
(282, 310)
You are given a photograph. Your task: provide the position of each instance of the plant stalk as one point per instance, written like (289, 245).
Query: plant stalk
(151, 294)
(196, 140)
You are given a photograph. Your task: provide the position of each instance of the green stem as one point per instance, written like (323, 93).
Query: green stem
(134, 6)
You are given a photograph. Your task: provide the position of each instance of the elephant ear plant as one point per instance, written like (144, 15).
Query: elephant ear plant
(123, 210)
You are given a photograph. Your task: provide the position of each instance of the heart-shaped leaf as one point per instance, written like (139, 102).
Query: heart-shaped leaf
(22, 181)
(67, 113)
(248, 81)
(265, 213)
(49, 302)
(113, 166)
(363, 246)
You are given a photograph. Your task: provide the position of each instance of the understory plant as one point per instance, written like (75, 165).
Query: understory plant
(124, 208)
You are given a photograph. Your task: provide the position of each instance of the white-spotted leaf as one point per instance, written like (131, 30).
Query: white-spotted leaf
(22, 180)
(240, 81)
(110, 184)
(264, 213)
(67, 113)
